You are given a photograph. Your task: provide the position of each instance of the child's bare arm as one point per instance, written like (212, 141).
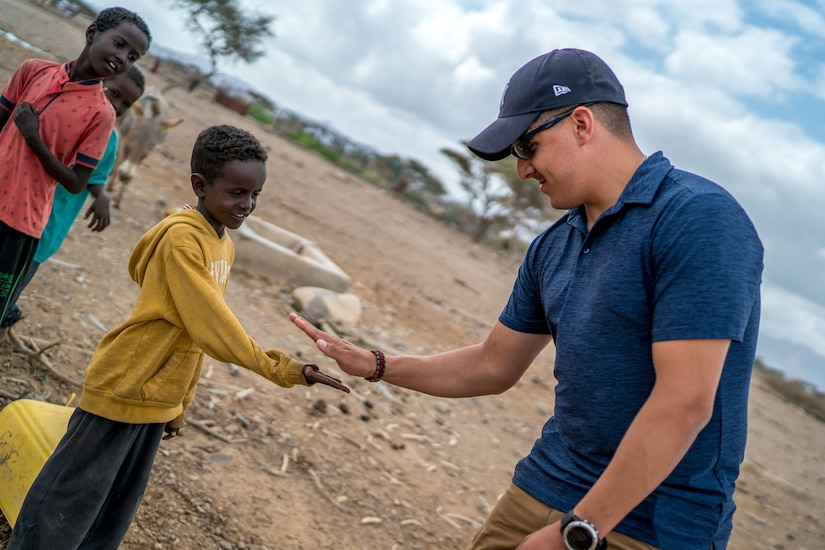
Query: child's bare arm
(99, 209)
(28, 122)
(4, 118)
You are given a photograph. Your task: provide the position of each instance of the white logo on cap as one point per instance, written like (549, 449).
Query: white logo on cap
(560, 90)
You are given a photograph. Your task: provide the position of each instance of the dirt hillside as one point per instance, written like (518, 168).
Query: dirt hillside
(308, 468)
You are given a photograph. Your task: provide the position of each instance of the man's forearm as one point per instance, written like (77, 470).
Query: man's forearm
(488, 368)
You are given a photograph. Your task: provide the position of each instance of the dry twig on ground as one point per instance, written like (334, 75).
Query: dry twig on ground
(30, 349)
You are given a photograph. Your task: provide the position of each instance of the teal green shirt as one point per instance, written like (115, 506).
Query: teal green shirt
(66, 206)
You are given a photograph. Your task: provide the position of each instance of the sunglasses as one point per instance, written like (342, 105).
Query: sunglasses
(521, 147)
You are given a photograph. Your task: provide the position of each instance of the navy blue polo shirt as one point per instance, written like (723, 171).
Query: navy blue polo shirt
(675, 258)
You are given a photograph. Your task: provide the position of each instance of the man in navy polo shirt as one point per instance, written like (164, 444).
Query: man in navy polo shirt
(649, 288)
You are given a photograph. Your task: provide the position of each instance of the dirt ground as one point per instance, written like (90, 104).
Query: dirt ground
(309, 468)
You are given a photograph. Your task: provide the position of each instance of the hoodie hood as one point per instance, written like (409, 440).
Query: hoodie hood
(148, 243)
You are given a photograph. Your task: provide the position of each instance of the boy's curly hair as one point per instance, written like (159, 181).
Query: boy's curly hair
(217, 145)
(112, 17)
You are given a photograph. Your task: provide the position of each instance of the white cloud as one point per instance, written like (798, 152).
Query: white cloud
(649, 20)
(441, 34)
(791, 317)
(754, 62)
(469, 75)
(804, 17)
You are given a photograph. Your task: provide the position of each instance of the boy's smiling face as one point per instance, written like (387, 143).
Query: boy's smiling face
(232, 196)
(114, 51)
(121, 92)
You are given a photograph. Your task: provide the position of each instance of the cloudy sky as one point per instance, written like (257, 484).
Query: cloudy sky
(732, 90)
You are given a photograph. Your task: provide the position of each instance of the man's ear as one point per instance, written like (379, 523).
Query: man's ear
(91, 31)
(584, 121)
(198, 185)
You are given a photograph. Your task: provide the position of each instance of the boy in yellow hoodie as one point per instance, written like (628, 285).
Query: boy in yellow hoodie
(144, 372)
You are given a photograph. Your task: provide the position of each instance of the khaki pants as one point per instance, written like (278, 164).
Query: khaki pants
(517, 514)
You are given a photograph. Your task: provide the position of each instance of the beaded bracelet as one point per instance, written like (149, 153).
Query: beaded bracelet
(380, 366)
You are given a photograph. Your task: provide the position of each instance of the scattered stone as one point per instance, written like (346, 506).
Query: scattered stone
(321, 304)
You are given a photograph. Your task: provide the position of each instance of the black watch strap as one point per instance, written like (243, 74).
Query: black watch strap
(580, 524)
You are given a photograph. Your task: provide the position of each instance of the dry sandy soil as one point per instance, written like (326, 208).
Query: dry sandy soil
(307, 467)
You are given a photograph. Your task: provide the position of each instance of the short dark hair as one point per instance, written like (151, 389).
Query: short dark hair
(136, 76)
(614, 118)
(112, 17)
(217, 145)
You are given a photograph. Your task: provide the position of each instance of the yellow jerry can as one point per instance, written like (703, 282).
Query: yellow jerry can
(29, 432)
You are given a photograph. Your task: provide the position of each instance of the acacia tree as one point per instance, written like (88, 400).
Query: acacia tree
(503, 204)
(225, 31)
(486, 195)
(529, 210)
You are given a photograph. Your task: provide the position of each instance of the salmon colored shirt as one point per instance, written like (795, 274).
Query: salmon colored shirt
(76, 120)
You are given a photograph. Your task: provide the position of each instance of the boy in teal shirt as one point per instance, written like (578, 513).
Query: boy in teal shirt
(122, 91)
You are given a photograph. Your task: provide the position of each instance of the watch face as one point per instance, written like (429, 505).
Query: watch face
(579, 537)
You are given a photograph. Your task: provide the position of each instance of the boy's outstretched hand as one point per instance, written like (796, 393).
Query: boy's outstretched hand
(314, 375)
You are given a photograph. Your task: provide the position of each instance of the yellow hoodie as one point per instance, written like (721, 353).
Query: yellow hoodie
(146, 370)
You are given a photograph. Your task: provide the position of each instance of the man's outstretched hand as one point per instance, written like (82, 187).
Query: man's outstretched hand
(350, 358)
(314, 375)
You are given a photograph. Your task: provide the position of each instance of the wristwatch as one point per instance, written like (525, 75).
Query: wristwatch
(580, 534)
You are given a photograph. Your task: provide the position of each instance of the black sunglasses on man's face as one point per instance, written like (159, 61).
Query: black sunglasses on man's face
(521, 147)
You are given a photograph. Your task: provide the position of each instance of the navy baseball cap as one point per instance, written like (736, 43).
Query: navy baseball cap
(560, 78)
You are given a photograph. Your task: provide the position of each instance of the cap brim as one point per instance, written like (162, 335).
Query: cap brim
(495, 141)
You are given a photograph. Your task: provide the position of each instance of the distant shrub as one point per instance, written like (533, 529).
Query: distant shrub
(417, 200)
(370, 177)
(261, 114)
(349, 165)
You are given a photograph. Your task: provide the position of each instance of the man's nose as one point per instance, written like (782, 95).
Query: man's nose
(524, 168)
